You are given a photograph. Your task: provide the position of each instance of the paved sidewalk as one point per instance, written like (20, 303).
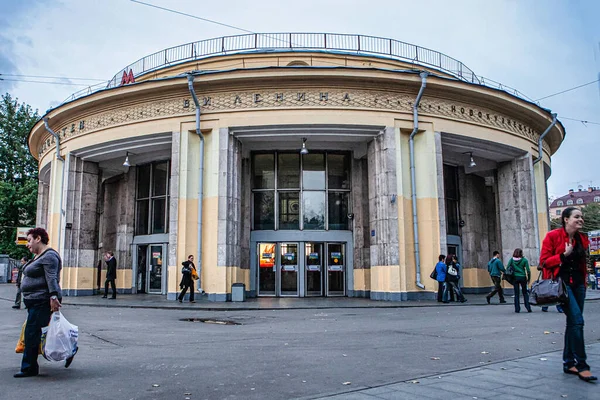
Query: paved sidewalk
(8, 292)
(534, 377)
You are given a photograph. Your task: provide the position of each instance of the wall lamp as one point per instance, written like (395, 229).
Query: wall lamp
(472, 162)
(304, 150)
(126, 163)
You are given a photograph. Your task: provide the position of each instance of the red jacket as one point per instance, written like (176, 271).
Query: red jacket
(553, 246)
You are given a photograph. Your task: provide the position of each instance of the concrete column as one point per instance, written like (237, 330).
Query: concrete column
(361, 229)
(541, 200)
(383, 217)
(54, 203)
(81, 231)
(172, 262)
(118, 225)
(229, 211)
(439, 162)
(518, 222)
(41, 216)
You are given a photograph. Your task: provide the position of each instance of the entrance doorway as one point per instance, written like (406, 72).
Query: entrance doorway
(150, 274)
(301, 269)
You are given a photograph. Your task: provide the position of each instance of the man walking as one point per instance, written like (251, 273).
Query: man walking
(496, 269)
(17, 305)
(111, 274)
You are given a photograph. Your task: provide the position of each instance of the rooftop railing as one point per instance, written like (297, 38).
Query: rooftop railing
(261, 42)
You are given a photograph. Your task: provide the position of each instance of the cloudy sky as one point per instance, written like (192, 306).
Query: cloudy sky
(539, 47)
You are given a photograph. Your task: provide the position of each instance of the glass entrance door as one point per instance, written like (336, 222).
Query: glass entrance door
(155, 269)
(313, 267)
(336, 269)
(288, 267)
(267, 269)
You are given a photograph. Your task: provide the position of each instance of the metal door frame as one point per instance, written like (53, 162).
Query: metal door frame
(305, 266)
(299, 254)
(344, 269)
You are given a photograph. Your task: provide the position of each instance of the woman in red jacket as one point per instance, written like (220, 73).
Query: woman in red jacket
(564, 254)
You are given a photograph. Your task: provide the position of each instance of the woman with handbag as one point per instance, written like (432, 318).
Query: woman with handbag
(563, 256)
(522, 276)
(187, 279)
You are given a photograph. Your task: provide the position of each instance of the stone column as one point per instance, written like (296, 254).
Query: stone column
(361, 229)
(229, 211)
(518, 220)
(41, 216)
(383, 217)
(173, 263)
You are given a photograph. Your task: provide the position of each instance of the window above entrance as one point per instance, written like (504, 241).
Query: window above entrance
(301, 192)
(152, 198)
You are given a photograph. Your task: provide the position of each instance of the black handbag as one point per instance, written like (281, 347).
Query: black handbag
(509, 275)
(433, 274)
(548, 292)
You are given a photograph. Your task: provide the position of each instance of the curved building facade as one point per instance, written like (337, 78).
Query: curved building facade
(327, 167)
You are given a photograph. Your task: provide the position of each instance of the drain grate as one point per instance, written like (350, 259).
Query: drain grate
(211, 321)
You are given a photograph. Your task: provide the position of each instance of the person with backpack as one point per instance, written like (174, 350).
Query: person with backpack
(452, 278)
(496, 269)
(522, 277)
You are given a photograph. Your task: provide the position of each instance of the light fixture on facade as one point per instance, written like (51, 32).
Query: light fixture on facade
(126, 163)
(304, 150)
(472, 162)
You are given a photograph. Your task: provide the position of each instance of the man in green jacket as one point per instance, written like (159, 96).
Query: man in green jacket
(496, 269)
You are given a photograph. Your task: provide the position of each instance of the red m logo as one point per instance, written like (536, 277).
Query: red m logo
(127, 78)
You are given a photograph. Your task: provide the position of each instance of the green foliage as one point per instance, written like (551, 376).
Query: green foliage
(591, 217)
(18, 173)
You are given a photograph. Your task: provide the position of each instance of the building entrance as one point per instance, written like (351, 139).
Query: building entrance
(150, 274)
(301, 269)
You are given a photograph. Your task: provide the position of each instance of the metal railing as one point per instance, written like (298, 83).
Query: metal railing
(255, 42)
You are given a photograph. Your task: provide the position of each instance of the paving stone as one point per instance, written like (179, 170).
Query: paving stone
(463, 388)
(352, 396)
(415, 389)
(378, 390)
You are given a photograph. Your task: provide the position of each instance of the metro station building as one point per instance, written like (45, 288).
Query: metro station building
(297, 164)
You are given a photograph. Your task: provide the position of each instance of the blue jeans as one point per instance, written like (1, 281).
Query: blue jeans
(522, 283)
(574, 351)
(450, 288)
(38, 316)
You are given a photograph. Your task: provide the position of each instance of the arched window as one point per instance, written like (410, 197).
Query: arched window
(579, 201)
(559, 203)
(569, 202)
(597, 199)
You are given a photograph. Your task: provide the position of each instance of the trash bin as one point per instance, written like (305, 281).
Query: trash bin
(238, 292)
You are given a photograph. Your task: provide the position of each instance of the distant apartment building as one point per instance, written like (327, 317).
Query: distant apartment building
(579, 198)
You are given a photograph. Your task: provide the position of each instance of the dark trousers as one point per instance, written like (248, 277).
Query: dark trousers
(38, 316)
(497, 288)
(522, 284)
(112, 286)
(450, 288)
(440, 291)
(185, 288)
(574, 351)
(18, 298)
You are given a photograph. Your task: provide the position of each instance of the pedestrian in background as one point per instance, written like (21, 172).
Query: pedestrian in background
(17, 305)
(522, 275)
(440, 269)
(452, 278)
(111, 274)
(563, 255)
(187, 281)
(496, 269)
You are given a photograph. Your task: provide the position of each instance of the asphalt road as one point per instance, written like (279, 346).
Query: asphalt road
(152, 354)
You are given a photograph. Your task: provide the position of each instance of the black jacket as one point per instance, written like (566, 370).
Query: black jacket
(186, 279)
(111, 269)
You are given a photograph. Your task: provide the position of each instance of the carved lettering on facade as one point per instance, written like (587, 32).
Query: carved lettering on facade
(215, 102)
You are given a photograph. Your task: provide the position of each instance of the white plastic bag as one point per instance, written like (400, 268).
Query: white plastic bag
(59, 338)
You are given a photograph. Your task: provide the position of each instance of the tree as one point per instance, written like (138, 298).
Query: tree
(18, 173)
(591, 218)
